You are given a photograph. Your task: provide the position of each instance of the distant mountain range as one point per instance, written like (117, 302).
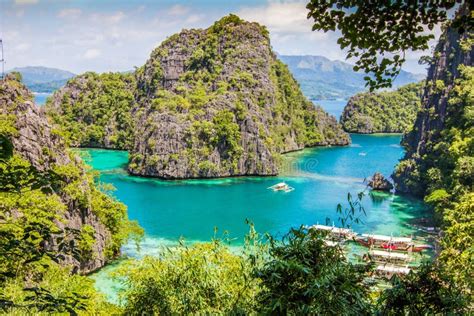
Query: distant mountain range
(322, 78)
(43, 79)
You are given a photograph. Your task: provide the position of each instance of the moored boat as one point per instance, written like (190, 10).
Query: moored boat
(282, 186)
(391, 243)
(338, 232)
(388, 256)
(388, 271)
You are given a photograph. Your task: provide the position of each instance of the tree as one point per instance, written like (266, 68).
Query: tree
(205, 278)
(306, 276)
(426, 292)
(378, 33)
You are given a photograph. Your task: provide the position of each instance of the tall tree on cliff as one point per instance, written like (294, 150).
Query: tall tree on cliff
(439, 162)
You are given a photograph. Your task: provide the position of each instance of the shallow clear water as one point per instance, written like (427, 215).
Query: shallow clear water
(322, 177)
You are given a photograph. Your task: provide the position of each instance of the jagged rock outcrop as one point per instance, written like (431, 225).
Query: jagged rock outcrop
(217, 102)
(383, 112)
(379, 183)
(426, 143)
(35, 160)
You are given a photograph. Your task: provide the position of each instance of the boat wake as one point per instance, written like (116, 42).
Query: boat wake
(334, 179)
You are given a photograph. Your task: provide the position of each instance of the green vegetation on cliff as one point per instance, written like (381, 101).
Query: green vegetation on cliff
(383, 112)
(94, 110)
(439, 163)
(444, 175)
(217, 102)
(55, 220)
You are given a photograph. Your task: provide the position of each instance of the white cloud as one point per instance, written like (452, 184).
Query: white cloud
(194, 18)
(108, 18)
(26, 1)
(69, 13)
(92, 53)
(290, 30)
(279, 16)
(115, 18)
(22, 47)
(178, 10)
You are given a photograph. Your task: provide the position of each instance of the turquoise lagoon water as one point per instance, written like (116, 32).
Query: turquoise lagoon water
(322, 178)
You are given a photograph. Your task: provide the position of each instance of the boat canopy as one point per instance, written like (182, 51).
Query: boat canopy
(388, 238)
(332, 229)
(393, 269)
(386, 254)
(282, 186)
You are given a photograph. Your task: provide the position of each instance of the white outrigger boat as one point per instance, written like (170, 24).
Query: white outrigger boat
(334, 231)
(388, 271)
(282, 186)
(388, 256)
(391, 243)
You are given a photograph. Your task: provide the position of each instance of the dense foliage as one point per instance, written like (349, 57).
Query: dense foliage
(426, 292)
(297, 275)
(383, 112)
(200, 279)
(445, 177)
(378, 35)
(41, 251)
(94, 110)
(305, 276)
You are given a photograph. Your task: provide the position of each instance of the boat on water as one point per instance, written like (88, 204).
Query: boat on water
(388, 256)
(334, 231)
(382, 239)
(282, 186)
(387, 271)
(391, 243)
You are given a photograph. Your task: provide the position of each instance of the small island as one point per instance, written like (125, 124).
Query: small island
(383, 112)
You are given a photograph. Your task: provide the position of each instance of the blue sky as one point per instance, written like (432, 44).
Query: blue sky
(107, 35)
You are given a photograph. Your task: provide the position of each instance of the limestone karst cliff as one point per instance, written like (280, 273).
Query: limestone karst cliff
(46, 187)
(438, 147)
(217, 102)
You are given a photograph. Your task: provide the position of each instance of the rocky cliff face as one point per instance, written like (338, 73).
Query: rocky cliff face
(45, 168)
(378, 182)
(419, 166)
(217, 102)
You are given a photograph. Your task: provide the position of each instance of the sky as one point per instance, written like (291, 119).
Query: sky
(117, 35)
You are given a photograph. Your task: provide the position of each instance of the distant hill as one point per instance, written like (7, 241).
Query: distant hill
(43, 79)
(322, 78)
